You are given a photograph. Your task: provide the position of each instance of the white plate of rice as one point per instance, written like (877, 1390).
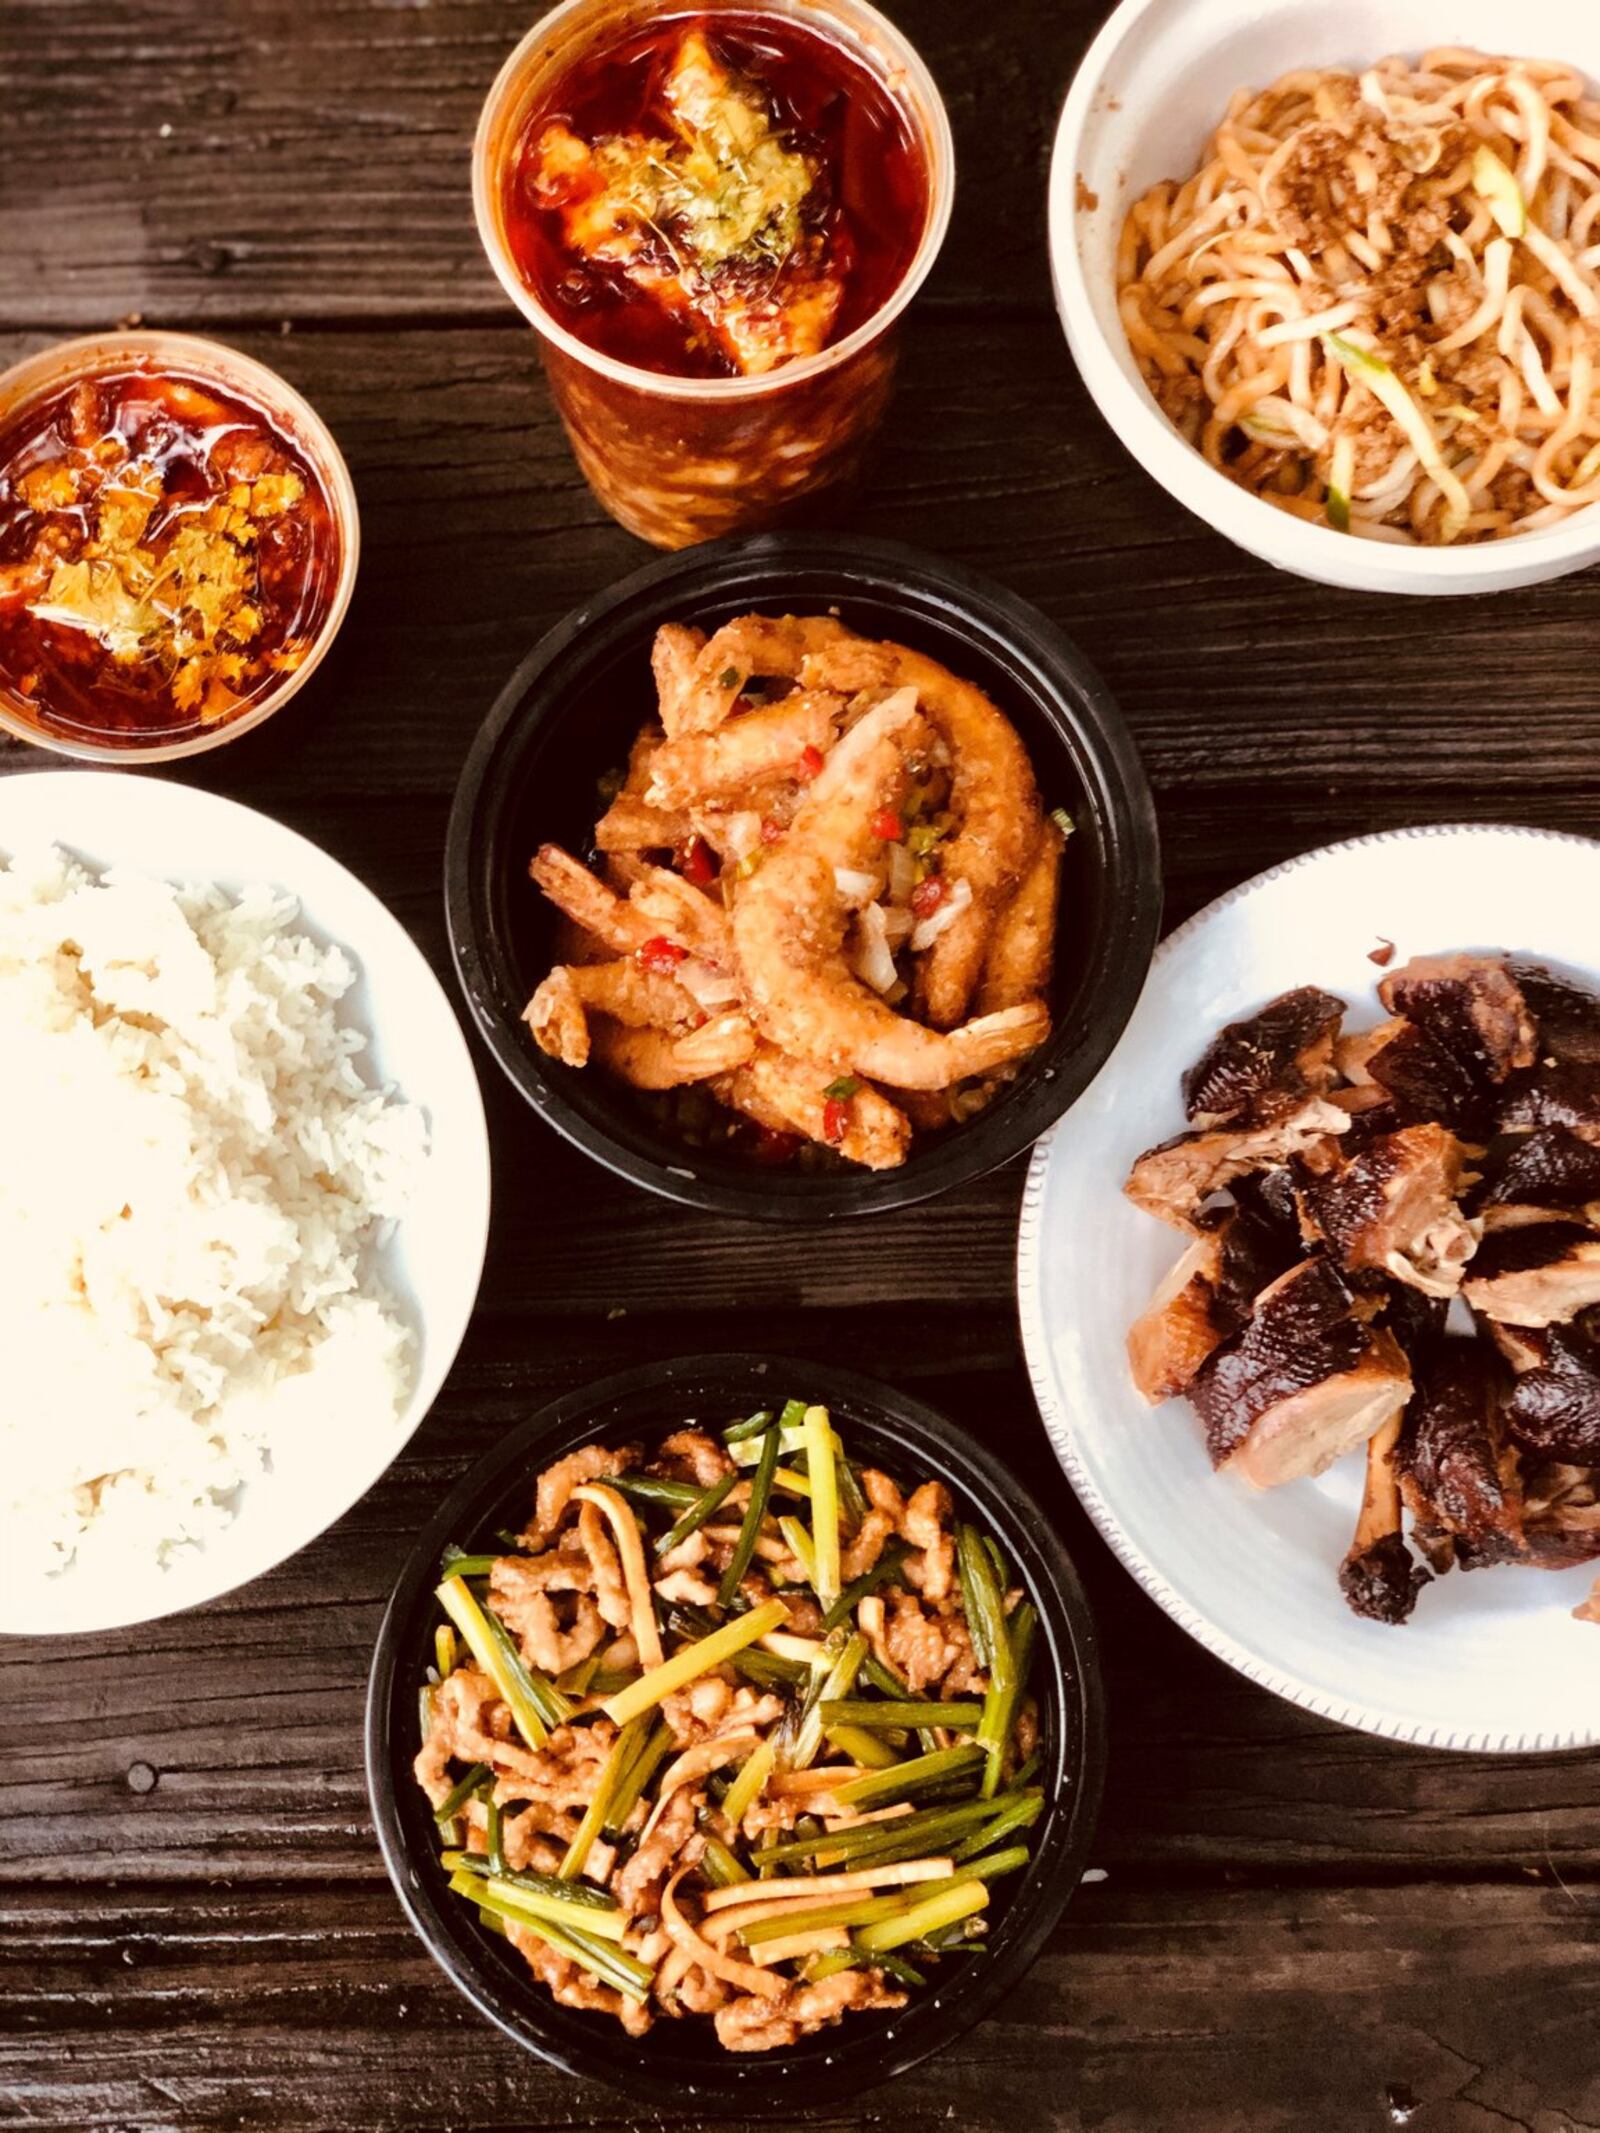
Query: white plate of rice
(244, 1195)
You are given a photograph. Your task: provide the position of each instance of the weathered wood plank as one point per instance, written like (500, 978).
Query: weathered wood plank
(1254, 2009)
(253, 165)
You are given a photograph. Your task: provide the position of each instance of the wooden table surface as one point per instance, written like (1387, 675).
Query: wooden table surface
(1293, 1926)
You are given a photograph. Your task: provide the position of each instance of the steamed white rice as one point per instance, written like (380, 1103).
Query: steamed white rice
(194, 1175)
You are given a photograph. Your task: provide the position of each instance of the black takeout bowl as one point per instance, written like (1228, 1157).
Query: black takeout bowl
(680, 2063)
(568, 716)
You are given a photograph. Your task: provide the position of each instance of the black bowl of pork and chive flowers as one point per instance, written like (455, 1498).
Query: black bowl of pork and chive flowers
(735, 1733)
(802, 877)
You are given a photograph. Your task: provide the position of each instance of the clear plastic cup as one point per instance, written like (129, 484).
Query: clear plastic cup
(186, 355)
(676, 459)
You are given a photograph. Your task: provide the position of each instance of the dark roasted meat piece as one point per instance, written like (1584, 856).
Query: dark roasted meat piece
(1562, 1515)
(1551, 1168)
(1206, 1299)
(1420, 1079)
(1565, 1094)
(1175, 1180)
(1306, 1381)
(1566, 1013)
(1391, 1205)
(1470, 1005)
(1553, 1410)
(1286, 1047)
(1535, 1274)
(1378, 1577)
(1458, 1472)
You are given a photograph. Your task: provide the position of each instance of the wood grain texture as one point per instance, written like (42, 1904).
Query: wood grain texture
(1328, 2008)
(1302, 1927)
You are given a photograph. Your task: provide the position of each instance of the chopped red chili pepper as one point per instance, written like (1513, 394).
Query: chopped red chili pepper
(810, 762)
(927, 896)
(696, 861)
(770, 831)
(661, 955)
(836, 1119)
(888, 827)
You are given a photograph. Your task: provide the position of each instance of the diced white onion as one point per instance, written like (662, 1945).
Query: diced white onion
(871, 957)
(902, 874)
(898, 922)
(927, 930)
(855, 885)
(707, 986)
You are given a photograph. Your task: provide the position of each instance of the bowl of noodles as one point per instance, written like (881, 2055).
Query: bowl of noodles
(1333, 277)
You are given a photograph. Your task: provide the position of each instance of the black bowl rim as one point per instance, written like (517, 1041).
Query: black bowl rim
(1095, 730)
(735, 2083)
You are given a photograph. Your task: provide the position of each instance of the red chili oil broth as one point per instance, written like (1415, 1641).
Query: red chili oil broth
(199, 439)
(825, 100)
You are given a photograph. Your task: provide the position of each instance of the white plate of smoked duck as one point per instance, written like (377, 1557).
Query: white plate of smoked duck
(1310, 1285)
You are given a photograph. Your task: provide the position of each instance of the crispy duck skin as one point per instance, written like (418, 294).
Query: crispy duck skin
(1285, 1048)
(1205, 1300)
(1535, 1274)
(1553, 1409)
(1458, 1470)
(1563, 1093)
(1470, 1005)
(1391, 1205)
(1566, 1012)
(1419, 1079)
(1174, 1180)
(1378, 1577)
(1561, 1515)
(1306, 1381)
(1552, 1168)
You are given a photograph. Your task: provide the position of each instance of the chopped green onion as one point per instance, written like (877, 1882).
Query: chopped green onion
(981, 1599)
(1063, 821)
(751, 1426)
(829, 1962)
(458, 1564)
(649, 1488)
(577, 1680)
(993, 1864)
(793, 1416)
(729, 678)
(629, 1741)
(547, 1699)
(1386, 388)
(754, 1512)
(495, 1835)
(582, 1893)
(1023, 1810)
(444, 1650)
(1006, 1685)
(631, 1784)
(885, 1788)
(823, 1474)
(698, 1513)
(870, 1749)
(830, 1683)
(462, 1791)
(1493, 182)
(900, 1712)
(800, 1546)
(960, 1901)
(852, 1504)
(491, 1654)
(857, 1911)
(841, 1090)
(693, 1661)
(898, 1968)
(720, 1866)
(746, 1787)
(912, 1836)
(512, 1898)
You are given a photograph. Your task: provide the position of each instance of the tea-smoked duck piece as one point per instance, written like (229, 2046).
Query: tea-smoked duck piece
(1564, 1093)
(1205, 1300)
(1286, 1046)
(1561, 1515)
(1549, 1171)
(1391, 1205)
(1553, 1408)
(1378, 1577)
(1175, 1180)
(1470, 1005)
(1458, 1469)
(1565, 1011)
(1535, 1274)
(1307, 1380)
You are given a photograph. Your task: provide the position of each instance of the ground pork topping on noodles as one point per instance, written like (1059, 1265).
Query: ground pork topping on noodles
(193, 1177)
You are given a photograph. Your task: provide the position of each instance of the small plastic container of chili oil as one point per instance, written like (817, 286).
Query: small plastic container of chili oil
(714, 220)
(178, 543)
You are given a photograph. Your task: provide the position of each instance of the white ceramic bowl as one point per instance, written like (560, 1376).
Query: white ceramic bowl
(1150, 92)
(433, 1259)
(1492, 1659)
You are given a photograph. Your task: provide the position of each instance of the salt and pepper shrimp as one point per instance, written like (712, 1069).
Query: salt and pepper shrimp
(825, 868)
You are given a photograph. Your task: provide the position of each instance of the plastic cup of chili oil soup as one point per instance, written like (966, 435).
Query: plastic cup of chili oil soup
(178, 544)
(714, 221)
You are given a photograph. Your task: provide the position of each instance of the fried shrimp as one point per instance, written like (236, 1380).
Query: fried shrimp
(790, 920)
(993, 799)
(826, 890)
